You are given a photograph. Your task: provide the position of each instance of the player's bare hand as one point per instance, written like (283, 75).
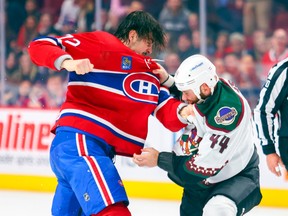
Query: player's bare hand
(149, 157)
(274, 163)
(187, 111)
(163, 74)
(80, 66)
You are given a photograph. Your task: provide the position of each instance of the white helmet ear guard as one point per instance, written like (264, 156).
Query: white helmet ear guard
(193, 72)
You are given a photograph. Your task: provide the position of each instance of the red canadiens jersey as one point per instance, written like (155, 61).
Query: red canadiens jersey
(112, 102)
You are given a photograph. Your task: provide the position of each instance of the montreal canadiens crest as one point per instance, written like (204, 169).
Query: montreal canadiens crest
(141, 87)
(226, 115)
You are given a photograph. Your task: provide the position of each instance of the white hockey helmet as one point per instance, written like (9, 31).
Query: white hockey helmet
(193, 72)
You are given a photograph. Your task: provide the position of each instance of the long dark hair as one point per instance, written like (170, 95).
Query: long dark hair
(146, 27)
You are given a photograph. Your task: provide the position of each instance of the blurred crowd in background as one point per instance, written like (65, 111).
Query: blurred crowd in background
(244, 39)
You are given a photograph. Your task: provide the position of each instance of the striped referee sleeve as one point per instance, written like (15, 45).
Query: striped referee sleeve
(272, 95)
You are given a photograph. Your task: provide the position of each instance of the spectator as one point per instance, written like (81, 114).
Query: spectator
(221, 44)
(68, 27)
(172, 62)
(85, 19)
(174, 19)
(13, 47)
(45, 25)
(276, 53)
(135, 5)
(184, 45)
(55, 90)
(248, 70)
(10, 92)
(104, 22)
(31, 9)
(115, 15)
(22, 97)
(259, 45)
(27, 32)
(112, 23)
(196, 42)
(221, 69)
(250, 80)
(70, 10)
(237, 44)
(193, 22)
(26, 70)
(119, 8)
(53, 7)
(38, 97)
(11, 66)
(256, 15)
(232, 63)
(280, 15)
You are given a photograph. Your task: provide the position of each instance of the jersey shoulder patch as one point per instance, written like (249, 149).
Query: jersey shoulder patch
(223, 110)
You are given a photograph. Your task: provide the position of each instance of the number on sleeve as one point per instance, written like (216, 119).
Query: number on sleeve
(69, 39)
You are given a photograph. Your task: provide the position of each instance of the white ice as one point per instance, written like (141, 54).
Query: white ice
(15, 203)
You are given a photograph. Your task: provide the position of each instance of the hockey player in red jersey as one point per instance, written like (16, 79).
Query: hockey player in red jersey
(217, 167)
(113, 88)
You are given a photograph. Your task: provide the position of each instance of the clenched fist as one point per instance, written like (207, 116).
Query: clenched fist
(80, 66)
(187, 111)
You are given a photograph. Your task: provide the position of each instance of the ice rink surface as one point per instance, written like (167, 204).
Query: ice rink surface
(15, 203)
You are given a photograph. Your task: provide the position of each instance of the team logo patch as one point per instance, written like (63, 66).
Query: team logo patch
(141, 87)
(226, 115)
(126, 62)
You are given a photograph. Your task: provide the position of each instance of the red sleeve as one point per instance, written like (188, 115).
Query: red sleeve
(167, 115)
(43, 53)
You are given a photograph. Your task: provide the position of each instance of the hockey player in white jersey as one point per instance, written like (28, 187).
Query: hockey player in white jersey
(220, 173)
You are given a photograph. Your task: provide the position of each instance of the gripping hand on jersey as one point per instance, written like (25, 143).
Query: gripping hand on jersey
(80, 66)
(164, 78)
(187, 113)
(163, 75)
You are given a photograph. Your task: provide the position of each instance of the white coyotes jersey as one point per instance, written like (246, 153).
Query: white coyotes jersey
(224, 122)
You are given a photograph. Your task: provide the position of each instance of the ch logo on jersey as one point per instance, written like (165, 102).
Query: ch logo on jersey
(126, 63)
(226, 115)
(142, 87)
